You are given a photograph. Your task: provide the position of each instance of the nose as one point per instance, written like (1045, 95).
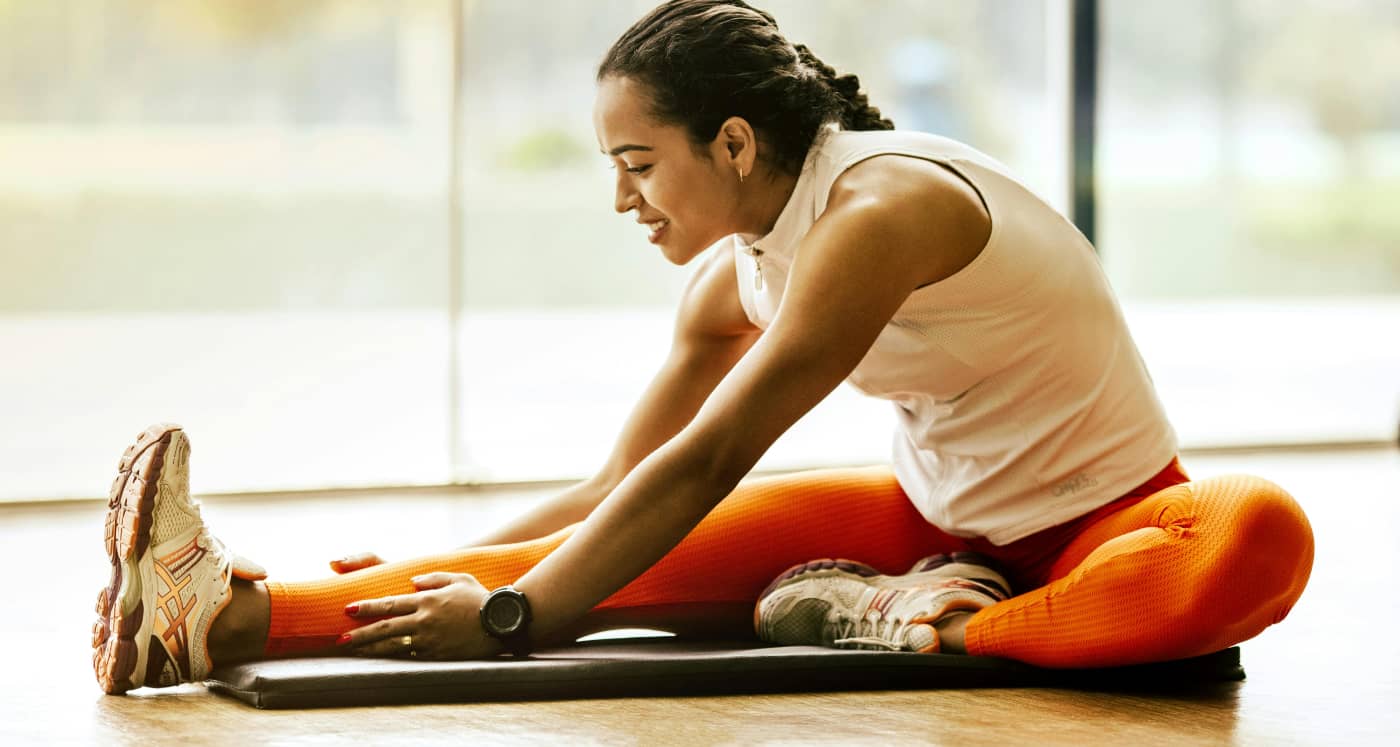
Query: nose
(625, 197)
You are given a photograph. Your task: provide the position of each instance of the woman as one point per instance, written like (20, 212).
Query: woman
(1031, 452)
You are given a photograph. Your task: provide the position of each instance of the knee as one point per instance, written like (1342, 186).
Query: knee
(1266, 520)
(1267, 550)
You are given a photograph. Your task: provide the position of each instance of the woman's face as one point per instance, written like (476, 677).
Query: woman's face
(684, 201)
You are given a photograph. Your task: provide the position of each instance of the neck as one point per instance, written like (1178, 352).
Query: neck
(762, 198)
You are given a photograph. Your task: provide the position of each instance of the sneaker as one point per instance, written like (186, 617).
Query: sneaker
(845, 604)
(170, 577)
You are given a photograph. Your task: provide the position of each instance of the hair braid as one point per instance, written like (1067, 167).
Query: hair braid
(856, 112)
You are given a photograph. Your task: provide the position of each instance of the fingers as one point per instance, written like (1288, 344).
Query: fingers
(393, 645)
(439, 579)
(390, 637)
(434, 617)
(395, 606)
(356, 562)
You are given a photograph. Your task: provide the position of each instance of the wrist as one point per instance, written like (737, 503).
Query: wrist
(505, 615)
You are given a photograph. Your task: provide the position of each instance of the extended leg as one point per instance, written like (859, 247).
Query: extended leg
(710, 580)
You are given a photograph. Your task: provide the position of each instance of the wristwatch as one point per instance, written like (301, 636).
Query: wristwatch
(505, 616)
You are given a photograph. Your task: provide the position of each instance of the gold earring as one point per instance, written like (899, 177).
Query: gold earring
(741, 176)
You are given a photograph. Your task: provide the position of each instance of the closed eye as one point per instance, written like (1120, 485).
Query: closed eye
(633, 169)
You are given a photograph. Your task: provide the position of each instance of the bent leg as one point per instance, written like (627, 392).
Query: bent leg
(761, 529)
(1193, 569)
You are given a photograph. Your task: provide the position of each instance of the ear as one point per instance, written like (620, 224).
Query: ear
(736, 145)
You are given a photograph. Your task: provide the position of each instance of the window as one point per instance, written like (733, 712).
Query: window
(230, 215)
(238, 216)
(1249, 166)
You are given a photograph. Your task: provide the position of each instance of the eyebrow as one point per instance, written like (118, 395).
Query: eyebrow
(619, 150)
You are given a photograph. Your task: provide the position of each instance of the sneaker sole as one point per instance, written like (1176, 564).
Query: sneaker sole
(130, 505)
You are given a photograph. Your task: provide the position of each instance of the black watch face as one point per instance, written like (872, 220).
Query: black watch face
(504, 615)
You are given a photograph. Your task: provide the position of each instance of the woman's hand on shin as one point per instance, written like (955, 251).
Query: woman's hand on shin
(439, 621)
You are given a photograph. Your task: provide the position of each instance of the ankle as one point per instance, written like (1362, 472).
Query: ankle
(951, 627)
(239, 632)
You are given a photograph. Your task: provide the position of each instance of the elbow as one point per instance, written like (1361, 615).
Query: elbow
(713, 465)
(725, 473)
(603, 482)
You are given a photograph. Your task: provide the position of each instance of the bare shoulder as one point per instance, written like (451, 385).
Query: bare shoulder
(710, 305)
(921, 205)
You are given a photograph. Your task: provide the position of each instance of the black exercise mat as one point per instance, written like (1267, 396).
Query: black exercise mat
(653, 667)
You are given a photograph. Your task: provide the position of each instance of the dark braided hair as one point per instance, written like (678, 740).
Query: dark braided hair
(704, 61)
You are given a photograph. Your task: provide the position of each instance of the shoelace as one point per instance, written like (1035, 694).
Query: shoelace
(871, 630)
(227, 561)
(215, 547)
(211, 544)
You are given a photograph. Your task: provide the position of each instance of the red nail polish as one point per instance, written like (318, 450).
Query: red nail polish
(351, 609)
(343, 639)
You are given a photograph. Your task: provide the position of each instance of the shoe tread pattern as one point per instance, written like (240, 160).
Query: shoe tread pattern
(127, 535)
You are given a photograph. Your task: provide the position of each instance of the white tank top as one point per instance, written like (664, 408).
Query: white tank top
(1021, 399)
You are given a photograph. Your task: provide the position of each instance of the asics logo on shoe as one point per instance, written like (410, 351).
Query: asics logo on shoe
(884, 600)
(176, 601)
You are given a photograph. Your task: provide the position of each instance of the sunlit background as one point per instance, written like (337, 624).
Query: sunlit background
(356, 243)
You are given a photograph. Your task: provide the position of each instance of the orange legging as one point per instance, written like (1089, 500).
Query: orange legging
(1171, 570)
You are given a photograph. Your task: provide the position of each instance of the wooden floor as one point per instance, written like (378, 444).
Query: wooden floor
(1329, 674)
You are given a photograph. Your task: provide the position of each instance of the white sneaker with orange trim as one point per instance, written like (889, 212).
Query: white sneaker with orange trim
(170, 576)
(845, 604)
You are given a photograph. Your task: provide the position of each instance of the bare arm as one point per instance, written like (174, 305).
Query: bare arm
(711, 335)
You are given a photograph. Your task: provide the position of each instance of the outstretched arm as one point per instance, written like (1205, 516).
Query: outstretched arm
(711, 335)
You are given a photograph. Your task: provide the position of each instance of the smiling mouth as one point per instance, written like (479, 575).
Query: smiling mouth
(655, 228)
